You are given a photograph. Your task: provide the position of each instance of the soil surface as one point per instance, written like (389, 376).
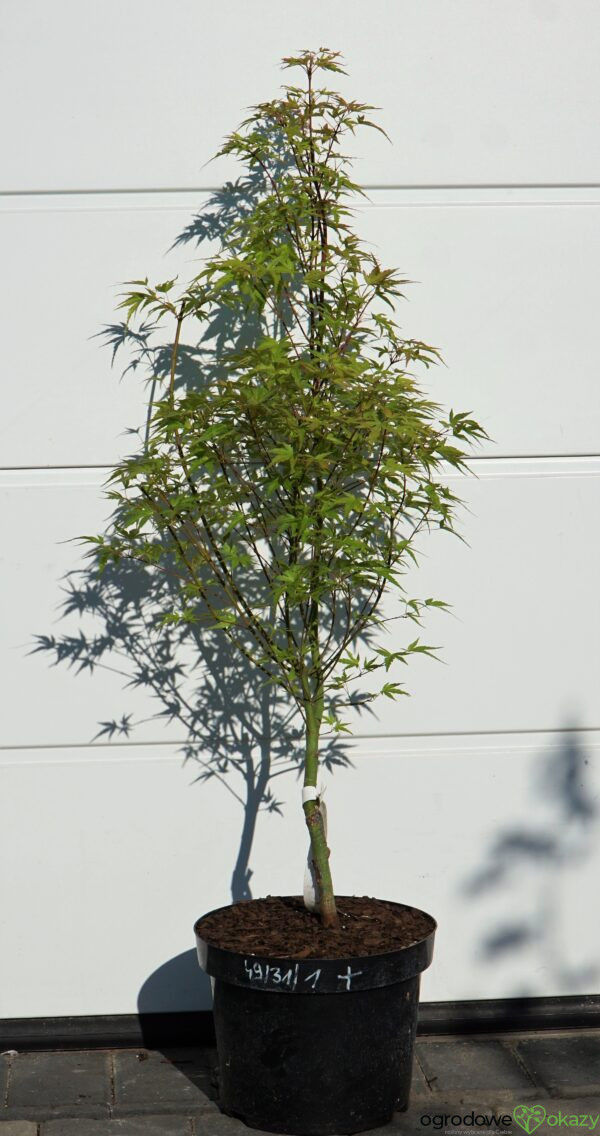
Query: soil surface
(281, 927)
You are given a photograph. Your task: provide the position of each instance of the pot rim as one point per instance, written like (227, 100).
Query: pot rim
(286, 974)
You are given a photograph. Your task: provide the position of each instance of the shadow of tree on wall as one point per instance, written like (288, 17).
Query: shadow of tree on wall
(238, 731)
(531, 864)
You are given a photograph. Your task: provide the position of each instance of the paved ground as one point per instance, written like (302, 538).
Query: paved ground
(461, 1085)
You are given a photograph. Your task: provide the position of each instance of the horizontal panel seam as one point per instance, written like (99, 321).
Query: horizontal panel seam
(367, 739)
(390, 197)
(380, 187)
(479, 459)
(534, 468)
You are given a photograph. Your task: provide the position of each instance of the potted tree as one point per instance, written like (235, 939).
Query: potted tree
(284, 493)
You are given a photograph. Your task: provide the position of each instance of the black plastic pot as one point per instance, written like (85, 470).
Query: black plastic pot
(313, 1047)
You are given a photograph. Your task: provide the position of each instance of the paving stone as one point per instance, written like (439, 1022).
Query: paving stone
(564, 1064)
(471, 1064)
(42, 1082)
(199, 1065)
(171, 1093)
(220, 1125)
(34, 1114)
(4, 1068)
(131, 1126)
(148, 1081)
(419, 1088)
(18, 1128)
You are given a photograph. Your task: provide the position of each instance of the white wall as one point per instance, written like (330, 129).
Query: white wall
(483, 790)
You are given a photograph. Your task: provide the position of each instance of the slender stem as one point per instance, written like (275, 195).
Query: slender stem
(174, 352)
(315, 703)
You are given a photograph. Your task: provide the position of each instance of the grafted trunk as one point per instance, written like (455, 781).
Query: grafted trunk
(314, 819)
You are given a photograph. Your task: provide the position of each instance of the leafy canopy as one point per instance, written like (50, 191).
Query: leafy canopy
(285, 491)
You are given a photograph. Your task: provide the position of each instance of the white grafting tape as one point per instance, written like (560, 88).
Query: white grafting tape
(311, 890)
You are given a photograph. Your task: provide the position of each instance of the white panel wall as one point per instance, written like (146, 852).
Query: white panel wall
(483, 789)
(115, 854)
(506, 284)
(138, 94)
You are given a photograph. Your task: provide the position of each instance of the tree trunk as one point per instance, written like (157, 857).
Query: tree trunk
(314, 820)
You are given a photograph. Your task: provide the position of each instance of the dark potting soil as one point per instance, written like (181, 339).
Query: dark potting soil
(281, 927)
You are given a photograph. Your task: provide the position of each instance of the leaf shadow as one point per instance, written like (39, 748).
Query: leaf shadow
(538, 858)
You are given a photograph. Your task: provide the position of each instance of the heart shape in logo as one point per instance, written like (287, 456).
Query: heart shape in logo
(529, 1118)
